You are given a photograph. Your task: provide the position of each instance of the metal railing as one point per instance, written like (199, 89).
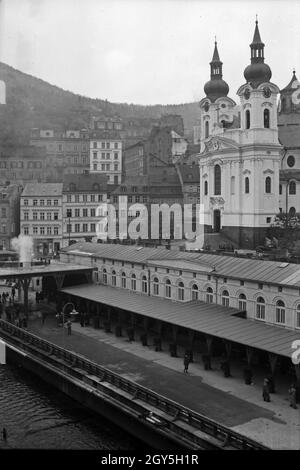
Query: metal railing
(78, 366)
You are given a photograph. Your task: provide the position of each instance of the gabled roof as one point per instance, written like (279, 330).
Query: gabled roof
(43, 189)
(189, 173)
(293, 84)
(268, 272)
(130, 253)
(85, 182)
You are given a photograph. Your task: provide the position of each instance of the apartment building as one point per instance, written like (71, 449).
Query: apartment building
(41, 216)
(81, 197)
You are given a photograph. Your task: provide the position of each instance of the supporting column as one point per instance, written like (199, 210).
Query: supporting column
(297, 372)
(158, 338)
(130, 329)
(25, 285)
(89, 277)
(98, 313)
(173, 345)
(118, 330)
(107, 322)
(207, 357)
(273, 361)
(248, 374)
(191, 337)
(59, 279)
(225, 364)
(144, 335)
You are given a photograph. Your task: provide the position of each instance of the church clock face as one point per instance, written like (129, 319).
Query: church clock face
(247, 94)
(266, 92)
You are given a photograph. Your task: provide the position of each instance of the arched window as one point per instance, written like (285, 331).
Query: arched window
(217, 171)
(283, 104)
(247, 118)
(247, 186)
(123, 280)
(280, 189)
(260, 308)
(232, 185)
(242, 302)
(144, 285)
(168, 288)
(266, 118)
(209, 295)
(155, 286)
(292, 212)
(195, 292)
(206, 129)
(133, 282)
(298, 316)
(280, 312)
(104, 276)
(181, 291)
(113, 278)
(205, 188)
(268, 185)
(292, 187)
(225, 298)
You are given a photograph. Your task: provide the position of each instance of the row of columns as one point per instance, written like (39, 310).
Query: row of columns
(250, 351)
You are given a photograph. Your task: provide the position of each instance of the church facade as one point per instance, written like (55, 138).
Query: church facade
(240, 152)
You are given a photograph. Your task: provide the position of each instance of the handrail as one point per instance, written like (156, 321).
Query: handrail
(176, 410)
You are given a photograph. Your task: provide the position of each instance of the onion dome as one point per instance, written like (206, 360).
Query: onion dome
(216, 87)
(257, 72)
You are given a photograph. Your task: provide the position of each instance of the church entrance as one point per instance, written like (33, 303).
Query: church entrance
(217, 220)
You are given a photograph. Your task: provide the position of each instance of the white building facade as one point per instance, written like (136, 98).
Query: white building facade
(41, 216)
(251, 288)
(240, 154)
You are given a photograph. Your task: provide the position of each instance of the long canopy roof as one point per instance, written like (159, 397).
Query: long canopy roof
(43, 270)
(212, 319)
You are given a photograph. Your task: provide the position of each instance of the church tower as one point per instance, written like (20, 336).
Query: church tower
(216, 108)
(240, 157)
(258, 96)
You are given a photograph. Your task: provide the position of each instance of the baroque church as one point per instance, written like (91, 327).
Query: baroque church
(249, 156)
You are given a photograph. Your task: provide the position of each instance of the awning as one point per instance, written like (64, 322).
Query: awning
(212, 319)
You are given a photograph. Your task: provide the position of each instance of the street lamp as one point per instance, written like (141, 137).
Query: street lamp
(73, 312)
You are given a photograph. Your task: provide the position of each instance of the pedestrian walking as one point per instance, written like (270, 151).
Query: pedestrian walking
(292, 393)
(69, 327)
(4, 434)
(266, 391)
(186, 362)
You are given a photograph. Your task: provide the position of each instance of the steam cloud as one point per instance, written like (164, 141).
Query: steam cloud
(24, 246)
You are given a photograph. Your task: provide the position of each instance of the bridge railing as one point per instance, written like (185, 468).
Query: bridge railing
(138, 392)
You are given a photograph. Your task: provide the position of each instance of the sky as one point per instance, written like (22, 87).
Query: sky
(146, 51)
